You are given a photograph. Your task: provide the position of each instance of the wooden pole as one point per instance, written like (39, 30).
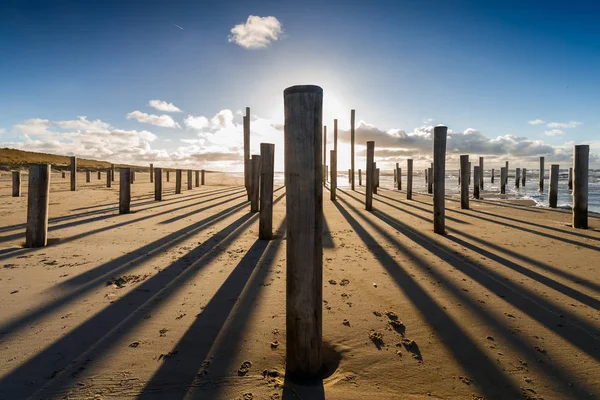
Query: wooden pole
(38, 202)
(459, 177)
(503, 180)
(349, 175)
(157, 183)
(469, 173)
(73, 168)
(124, 190)
(88, 176)
(112, 172)
(108, 177)
(553, 193)
(581, 158)
(16, 184)
(359, 177)
(492, 175)
(151, 173)
(168, 176)
(430, 180)
(396, 173)
(369, 176)
(267, 171)
(517, 177)
(64, 175)
(255, 184)
(399, 173)
(99, 175)
(202, 172)
(523, 179)
(480, 173)
(132, 177)
(304, 212)
(476, 186)
(197, 178)
(247, 151)
(506, 177)
(375, 178)
(570, 181)
(409, 179)
(352, 141)
(464, 182)
(189, 179)
(541, 189)
(324, 154)
(333, 186)
(440, 133)
(178, 179)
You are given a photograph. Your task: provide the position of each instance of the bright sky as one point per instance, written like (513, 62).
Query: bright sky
(167, 82)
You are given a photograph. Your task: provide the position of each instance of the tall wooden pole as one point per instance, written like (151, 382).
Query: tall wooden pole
(541, 189)
(464, 182)
(517, 177)
(151, 173)
(124, 190)
(304, 212)
(38, 202)
(267, 165)
(112, 172)
(108, 177)
(503, 180)
(476, 186)
(409, 179)
(570, 179)
(157, 183)
(359, 177)
(369, 176)
(399, 173)
(168, 176)
(202, 172)
(99, 175)
(375, 178)
(481, 173)
(506, 178)
(524, 174)
(73, 168)
(178, 179)
(581, 158)
(197, 178)
(553, 193)
(429, 180)
(16, 183)
(88, 176)
(492, 175)
(333, 180)
(255, 184)
(324, 154)
(189, 179)
(440, 134)
(352, 141)
(247, 151)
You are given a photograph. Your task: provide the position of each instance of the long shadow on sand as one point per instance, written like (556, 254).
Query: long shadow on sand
(485, 377)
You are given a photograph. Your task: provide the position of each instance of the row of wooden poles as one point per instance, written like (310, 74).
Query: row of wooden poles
(304, 178)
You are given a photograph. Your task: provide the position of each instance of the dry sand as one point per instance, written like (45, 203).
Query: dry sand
(180, 300)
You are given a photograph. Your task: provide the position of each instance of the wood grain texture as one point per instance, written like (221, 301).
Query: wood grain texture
(38, 203)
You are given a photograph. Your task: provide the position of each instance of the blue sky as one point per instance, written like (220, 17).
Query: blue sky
(482, 68)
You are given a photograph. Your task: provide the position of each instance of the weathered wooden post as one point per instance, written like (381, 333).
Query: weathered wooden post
(16, 184)
(333, 185)
(88, 176)
(324, 154)
(112, 172)
(480, 173)
(523, 179)
(464, 182)
(359, 177)
(506, 178)
(202, 172)
(157, 183)
(64, 175)
(151, 173)
(108, 177)
(132, 177)
(304, 212)
(395, 173)
(349, 175)
(124, 190)
(426, 174)
(492, 175)
(553, 193)
(73, 169)
(247, 151)
(352, 141)
(267, 172)
(541, 189)
(189, 179)
(168, 177)
(581, 158)
(570, 179)
(503, 180)
(99, 175)
(430, 180)
(409, 178)
(476, 186)
(38, 202)
(369, 176)
(375, 178)
(178, 177)
(197, 178)
(255, 184)
(459, 177)
(469, 173)
(399, 173)
(517, 177)
(440, 134)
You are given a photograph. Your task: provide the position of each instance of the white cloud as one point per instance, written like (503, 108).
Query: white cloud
(563, 125)
(197, 123)
(159, 120)
(554, 132)
(82, 124)
(163, 106)
(256, 32)
(34, 126)
(536, 122)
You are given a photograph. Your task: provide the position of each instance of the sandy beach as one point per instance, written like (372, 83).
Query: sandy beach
(180, 300)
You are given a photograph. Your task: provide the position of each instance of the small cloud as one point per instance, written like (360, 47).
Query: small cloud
(163, 106)
(82, 124)
(536, 122)
(197, 123)
(563, 125)
(159, 120)
(256, 32)
(554, 132)
(34, 126)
